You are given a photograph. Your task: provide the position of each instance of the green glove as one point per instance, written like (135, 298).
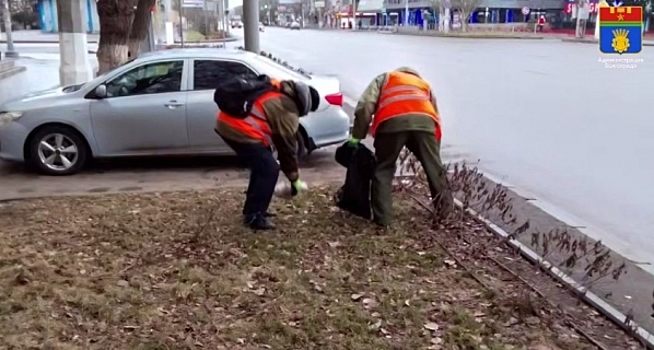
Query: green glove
(352, 142)
(298, 186)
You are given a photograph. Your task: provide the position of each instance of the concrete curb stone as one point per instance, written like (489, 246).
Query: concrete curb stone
(41, 42)
(11, 72)
(593, 41)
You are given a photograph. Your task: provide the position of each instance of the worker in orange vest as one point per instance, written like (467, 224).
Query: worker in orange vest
(273, 121)
(403, 112)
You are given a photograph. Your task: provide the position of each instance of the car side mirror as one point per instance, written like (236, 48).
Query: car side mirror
(101, 91)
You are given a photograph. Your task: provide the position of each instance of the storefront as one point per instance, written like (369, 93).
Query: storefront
(47, 10)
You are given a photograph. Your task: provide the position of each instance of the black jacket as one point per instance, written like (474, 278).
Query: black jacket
(354, 195)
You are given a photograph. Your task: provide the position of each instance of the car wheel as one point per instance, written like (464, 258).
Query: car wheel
(58, 150)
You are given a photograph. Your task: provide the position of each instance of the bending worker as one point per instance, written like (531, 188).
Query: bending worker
(403, 112)
(273, 122)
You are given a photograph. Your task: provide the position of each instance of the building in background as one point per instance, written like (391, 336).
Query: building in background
(47, 10)
(393, 12)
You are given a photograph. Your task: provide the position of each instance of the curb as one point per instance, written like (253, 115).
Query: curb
(514, 37)
(39, 42)
(591, 41)
(583, 293)
(214, 41)
(11, 72)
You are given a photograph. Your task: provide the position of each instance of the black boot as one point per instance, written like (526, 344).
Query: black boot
(259, 222)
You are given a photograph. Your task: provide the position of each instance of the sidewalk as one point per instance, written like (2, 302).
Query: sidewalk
(414, 31)
(38, 37)
(646, 42)
(40, 75)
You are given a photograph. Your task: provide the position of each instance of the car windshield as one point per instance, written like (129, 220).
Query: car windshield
(281, 68)
(111, 70)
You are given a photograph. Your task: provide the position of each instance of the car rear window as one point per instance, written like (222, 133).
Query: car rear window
(282, 68)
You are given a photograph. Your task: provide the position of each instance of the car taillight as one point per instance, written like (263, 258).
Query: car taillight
(335, 99)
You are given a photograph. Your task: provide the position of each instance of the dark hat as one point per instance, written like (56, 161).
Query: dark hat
(315, 98)
(302, 98)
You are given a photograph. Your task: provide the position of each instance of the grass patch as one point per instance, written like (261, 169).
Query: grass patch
(179, 271)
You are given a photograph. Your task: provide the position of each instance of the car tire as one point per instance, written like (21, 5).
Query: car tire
(58, 151)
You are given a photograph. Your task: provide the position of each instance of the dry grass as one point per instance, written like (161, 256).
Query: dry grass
(145, 272)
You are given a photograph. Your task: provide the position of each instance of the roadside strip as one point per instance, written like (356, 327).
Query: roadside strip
(582, 292)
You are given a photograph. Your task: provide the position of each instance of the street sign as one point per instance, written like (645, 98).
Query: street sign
(197, 4)
(525, 10)
(319, 4)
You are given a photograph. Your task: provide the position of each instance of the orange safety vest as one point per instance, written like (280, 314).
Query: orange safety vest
(402, 94)
(255, 125)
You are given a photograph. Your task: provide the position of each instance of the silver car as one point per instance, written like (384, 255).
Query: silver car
(160, 103)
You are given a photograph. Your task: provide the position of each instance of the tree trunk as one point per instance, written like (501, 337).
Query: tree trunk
(140, 26)
(115, 23)
(464, 17)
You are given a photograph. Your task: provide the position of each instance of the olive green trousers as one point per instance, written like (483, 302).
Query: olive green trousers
(387, 150)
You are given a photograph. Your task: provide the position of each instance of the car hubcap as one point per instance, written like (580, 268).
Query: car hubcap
(58, 152)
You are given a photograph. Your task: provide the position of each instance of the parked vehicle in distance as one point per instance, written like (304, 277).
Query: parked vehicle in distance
(261, 27)
(237, 24)
(295, 26)
(160, 103)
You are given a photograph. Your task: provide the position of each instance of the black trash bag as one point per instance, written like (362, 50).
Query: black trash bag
(354, 195)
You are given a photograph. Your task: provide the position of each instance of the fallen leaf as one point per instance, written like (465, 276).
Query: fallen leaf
(261, 291)
(431, 326)
(122, 283)
(368, 303)
(449, 263)
(375, 326)
(250, 284)
(356, 297)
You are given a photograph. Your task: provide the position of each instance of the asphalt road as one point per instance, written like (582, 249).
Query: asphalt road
(541, 115)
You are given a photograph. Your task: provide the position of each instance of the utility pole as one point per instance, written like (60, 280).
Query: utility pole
(251, 25)
(10, 53)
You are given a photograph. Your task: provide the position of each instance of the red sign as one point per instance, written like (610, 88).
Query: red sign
(592, 7)
(622, 14)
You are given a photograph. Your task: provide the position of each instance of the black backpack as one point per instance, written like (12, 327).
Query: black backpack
(236, 95)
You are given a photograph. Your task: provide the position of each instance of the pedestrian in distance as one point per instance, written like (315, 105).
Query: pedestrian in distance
(257, 115)
(399, 109)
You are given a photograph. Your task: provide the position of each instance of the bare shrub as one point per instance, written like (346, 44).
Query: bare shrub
(476, 195)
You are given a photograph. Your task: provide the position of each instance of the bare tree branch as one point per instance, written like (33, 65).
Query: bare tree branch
(465, 8)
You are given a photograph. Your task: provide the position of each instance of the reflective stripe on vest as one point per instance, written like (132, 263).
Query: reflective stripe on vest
(257, 122)
(403, 94)
(414, 93)
(259, 114)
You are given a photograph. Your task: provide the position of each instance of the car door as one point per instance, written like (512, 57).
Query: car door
(144, 111)
(202, 110)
